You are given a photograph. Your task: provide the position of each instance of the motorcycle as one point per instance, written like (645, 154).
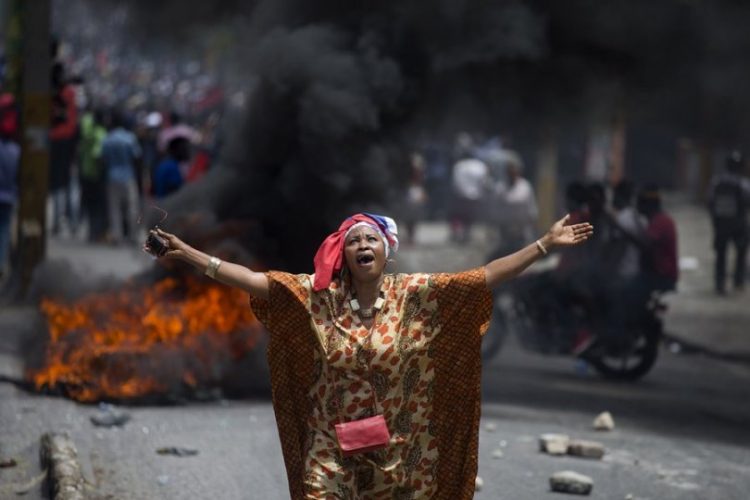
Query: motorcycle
(553, 319)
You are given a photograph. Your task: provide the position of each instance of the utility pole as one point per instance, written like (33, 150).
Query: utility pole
(546, 177)
(29, 35)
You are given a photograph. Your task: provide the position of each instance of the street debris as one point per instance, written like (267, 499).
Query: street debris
(554, 444)
(177, 451)
(571, 482)
(7, 463)
(497, 453)
(60, 457)
(109, 416)
(585, 449)
(604, 422)
(490, 427)
(478, 484)
(22, 489)
(163, 479)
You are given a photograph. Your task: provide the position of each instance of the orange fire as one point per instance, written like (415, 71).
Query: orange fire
(140, 342)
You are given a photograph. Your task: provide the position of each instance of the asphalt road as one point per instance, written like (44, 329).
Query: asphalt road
(682, 433)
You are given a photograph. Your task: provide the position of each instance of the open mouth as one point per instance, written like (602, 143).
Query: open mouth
(365, 259)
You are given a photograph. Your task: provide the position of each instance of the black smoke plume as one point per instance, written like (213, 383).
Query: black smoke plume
(340, 90)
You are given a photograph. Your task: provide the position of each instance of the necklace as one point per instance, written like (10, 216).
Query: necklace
(367, 313)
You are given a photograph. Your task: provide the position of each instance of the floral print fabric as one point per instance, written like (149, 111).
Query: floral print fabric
(341, 370)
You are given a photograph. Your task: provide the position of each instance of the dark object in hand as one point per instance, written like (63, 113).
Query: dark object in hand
(156, 245)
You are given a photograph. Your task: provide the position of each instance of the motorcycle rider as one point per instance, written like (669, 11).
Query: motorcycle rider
(658, 262)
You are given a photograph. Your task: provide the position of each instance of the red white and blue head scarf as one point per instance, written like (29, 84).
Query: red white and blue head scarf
(329, 259)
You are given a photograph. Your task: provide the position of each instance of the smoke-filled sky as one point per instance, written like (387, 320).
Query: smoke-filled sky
(341, 89)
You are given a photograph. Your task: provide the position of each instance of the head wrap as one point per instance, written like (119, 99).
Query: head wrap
(329, 259)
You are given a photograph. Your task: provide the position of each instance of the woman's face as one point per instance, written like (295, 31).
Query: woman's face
(364, 252)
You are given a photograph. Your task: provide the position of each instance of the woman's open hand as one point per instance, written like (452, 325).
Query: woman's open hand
(563, 235)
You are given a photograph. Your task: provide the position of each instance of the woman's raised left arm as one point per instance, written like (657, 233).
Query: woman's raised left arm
(559, 235)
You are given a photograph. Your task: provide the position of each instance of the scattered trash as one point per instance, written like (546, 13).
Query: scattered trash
(177, 451)
(503, 443)
(145, 430)
(163, 479)
(490, 427)
(604, 422)
(497, 454)
(585, 449)
(478, 484)
(629, 496)
(7, 463)
(109, 416)
(571, 482)
(554, 444)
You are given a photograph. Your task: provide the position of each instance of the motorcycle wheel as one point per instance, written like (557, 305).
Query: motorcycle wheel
(634, 362)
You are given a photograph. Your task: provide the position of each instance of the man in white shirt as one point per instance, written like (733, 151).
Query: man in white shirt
(470, 183)
(519, 220)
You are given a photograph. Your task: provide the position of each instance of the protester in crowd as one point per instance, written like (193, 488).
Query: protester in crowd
(353, 346)
(92, 175)
(575, 205)
(63, 142)
(729, 204)
(437, 179)
(206, 149)
(416, 196)
(120, 152)
(10, 153)
(169, 174)
(174, 129)
(148, 133)
(471, 182)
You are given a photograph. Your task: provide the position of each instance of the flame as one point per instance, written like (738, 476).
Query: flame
(139, 342)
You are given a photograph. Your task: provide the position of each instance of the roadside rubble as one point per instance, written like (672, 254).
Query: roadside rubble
(586, 449)
(604, 422)
(554, 444)
(109, 416)
(478, 484)
(60, 458)
(561, 444)
(571, 482)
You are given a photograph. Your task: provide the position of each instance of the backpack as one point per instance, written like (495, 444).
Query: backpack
(727, 202)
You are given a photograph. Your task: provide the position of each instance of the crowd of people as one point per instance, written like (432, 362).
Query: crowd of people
(108, 157)
(474, 182)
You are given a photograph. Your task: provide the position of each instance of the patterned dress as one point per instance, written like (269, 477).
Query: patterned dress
(418, 365)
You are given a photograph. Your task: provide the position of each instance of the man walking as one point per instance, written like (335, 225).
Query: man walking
(728, 202)
(120, 151)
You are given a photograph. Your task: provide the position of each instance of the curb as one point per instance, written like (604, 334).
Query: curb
(60, 457)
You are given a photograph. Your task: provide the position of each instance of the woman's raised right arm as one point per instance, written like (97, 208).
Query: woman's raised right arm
(255, 283)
